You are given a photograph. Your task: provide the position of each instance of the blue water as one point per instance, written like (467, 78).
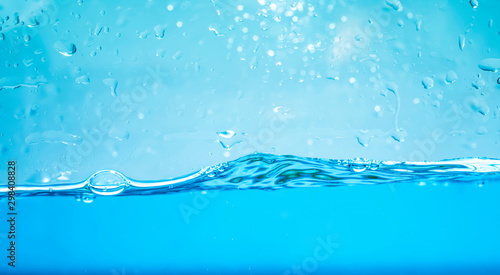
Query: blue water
(250, 137)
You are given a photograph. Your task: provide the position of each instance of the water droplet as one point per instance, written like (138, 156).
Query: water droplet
(228, 147)
(418, 22)
(479, 106)
(364, 138)
(391, 86)
(451, 76)
(65, 48)
(474, 3)
(144, 34)
(490, 64)
(481, 130)
(227, 134)
(119, 134)
(161, 52)
(112, 84)
(498, 80)
(461, 41)
(427, 82)
(82, 79)
(107, 182)
(98, 29)
(478, 84)
(52, 136)
(214, 28)
(395, 4)
(178, 55)
(399, 135)
(159, 31)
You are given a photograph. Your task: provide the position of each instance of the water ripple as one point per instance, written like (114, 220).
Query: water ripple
(271, 172)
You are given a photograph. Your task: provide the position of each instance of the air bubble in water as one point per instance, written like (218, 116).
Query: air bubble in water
(107, 182)
(474, 3)
(490, 64)
(427, 82)
(65, 48)
(112, 84)
(451, 76)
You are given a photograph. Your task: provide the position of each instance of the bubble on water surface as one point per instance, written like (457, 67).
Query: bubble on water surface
(107, 182)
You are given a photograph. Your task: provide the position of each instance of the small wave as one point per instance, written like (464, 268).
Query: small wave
(270, 172)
